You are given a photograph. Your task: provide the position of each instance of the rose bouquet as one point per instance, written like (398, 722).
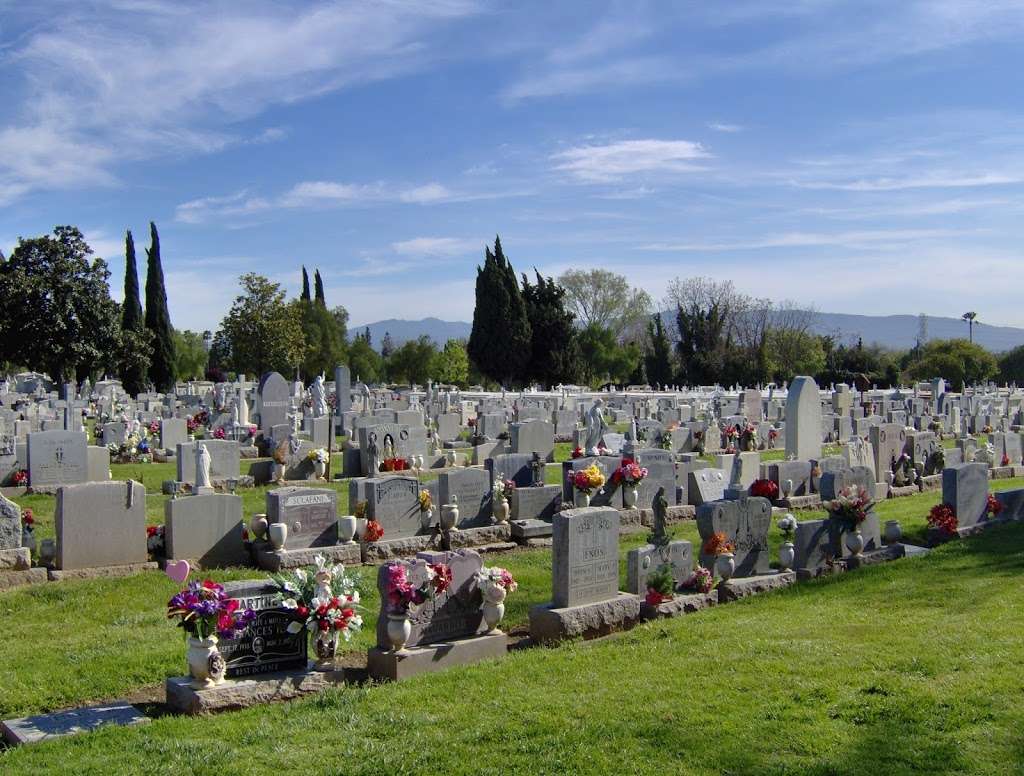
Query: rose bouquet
(324, 599)
(630, 474)
(154, 427)
(402, 597)
(155, 538)
(203, 610)
(374, 532)
(20, 477)
(28, 520)
(495, 578)
(765, 489)
(587, 480)
(994, 506)
(220, 433)
(851, 506)
(943, 518)
(701, 580)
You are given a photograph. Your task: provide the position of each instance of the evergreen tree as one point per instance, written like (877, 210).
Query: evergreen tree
(366, 336)
(158, 320)
(319, 289)
(500, 344)
(658, 358)
(305, 284)
(554, 349)
(387, 347)
(133, 363)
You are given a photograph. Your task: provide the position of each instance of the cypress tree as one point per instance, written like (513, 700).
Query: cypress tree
(158, 320)
(305, 284)
(500, 342)
(133, 372)
(554, 348)
(319, 290)
(658, 358)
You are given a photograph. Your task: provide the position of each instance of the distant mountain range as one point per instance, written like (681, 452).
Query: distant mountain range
(892, 331)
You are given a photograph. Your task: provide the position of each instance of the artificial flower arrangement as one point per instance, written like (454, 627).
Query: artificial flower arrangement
(154, 427)
(993, 505)
(1005, 461)
(577, 452)
(718, 544)
(587, 480)
(204, 610)
(851, 506)
(374, 531)
(28, 520)
(426, 500)
(402, 597)
(325, 601)
(201, 418)
(765, 489)
(320, 455)
(493, 578)
(155, 539)
(191, 424)
(220, 433)
(394, 465)
(502, 487)
(660, 585)
(787, 524)
(630, 474)
(701, 580)
(943, 518)
(20, 477)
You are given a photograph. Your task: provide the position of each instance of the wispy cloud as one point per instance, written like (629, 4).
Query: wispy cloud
(859, 239)
(435, 246)
(613, 161)
(720, 127)
(937, 180)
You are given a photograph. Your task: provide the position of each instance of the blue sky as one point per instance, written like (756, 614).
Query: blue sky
(862, 157)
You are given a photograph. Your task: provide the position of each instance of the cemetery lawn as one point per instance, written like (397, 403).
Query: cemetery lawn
(909, 667)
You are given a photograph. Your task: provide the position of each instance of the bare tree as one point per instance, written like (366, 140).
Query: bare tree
(602, 298)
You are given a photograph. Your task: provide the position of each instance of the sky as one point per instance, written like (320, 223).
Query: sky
(861, 157)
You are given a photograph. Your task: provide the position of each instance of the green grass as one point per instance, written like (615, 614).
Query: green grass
(910, 667)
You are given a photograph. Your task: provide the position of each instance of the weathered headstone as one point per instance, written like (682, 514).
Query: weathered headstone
(275, 400)
(585, 556)
(205, 528)
(311, 515)
(803, 419)
(57, 458)
(965, 488)
(745, 522)
(101, 524)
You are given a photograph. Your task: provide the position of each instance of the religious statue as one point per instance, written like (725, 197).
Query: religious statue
(372, 456)
(595, 427)
(318, 393)
(243, 409)
(659, 536)
(203, 461)
(366, 399)
(537, 470)
(736, 476)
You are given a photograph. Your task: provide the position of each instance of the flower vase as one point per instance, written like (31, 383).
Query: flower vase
(855, 542)
(278, 535)
(426, 518)
(581, 499)
(493, 607)
(629, 497)
(399, 629)
(258, 527)
(206, 666)
(787, 554)
(347, 529)
(725, 566)
(449, 516)
(893, 531)
(320, 469)
(500, 508)
(326, 647)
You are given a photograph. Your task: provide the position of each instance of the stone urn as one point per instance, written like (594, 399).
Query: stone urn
(399, 628)
(893, 531)
(725, 566)
(206, 666)
(855, 542)
(360, 528)
(787, 554)
(426, 518)
(581, 499)
(278, 473)
(320, 470)
(500, 509)
(451, 457)
(493, 607)
(629, 497)
(278, 535)
(258, 527)
(347, 529)
(450, 515)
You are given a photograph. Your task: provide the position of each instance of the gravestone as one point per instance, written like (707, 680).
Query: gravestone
(311, 515)
(965, 488)
(57, 458)
(796, 472)
(205, 528)
(533, 436)
(605, 463)
(511, 466)
(490, 424)
(114, 433)
(803, 419)
(706, 485)
(644, 561)
(472, 487)
(342, 389)
(448, 426)
(394, 503)
(101, 524)
(383, 436)
(224, 460)
(813, 545)
(10, 524)
(858, 452)
(834, 481)
(173, 432)
(453, 614)
(585, 556)
(536, 503)
(275, 400)
(745, 522)
(266, 646)
(888, 441)
(661, 473)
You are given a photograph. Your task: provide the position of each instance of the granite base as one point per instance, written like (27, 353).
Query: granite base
(250, 691)
(99, 572)
(386, 664)
(589, 621)
(275, 560)
(743, 587)
(681, 604)
(32, 576)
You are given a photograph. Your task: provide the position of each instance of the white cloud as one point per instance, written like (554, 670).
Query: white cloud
(612, 161)
(720, 127)
(432, 192)
(197, 211)
(858, 239)
(316, 193)
(936, 180)
(435, 246)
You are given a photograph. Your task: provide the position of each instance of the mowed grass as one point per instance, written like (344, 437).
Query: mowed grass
(910, 667)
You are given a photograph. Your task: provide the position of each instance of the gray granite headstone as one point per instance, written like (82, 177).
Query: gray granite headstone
(224, 460)
(343, 389)
(887, 441)
(536, 503)
(661, 473)
(533, 436)
(311, 515)
(275, 401)
(644, 561)
(813, 544)
(173, 431)
(706, 485)
(965, 488)
(745, 522)
(101, 524)
(803, 419)
(511, 466)
(394, 503)
(205, 528)
(57, 458)
(10, 524)
(585, 556)
(472, 487)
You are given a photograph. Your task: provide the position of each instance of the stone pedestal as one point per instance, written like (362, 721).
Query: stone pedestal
(549, 625)
(683, 603)
(812, 501)
(742, 587)
(429, 658)
(240, 693)
(462, 537)
(883, 555)
(56, 575)
(275, 560)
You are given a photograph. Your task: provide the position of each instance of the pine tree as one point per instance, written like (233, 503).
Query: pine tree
(366, 336)
(387, 346)
(158, 320)
(554, 349)
(319, 289)
(132, 369)
(500, 343)
(305, 284)
(658, 358)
